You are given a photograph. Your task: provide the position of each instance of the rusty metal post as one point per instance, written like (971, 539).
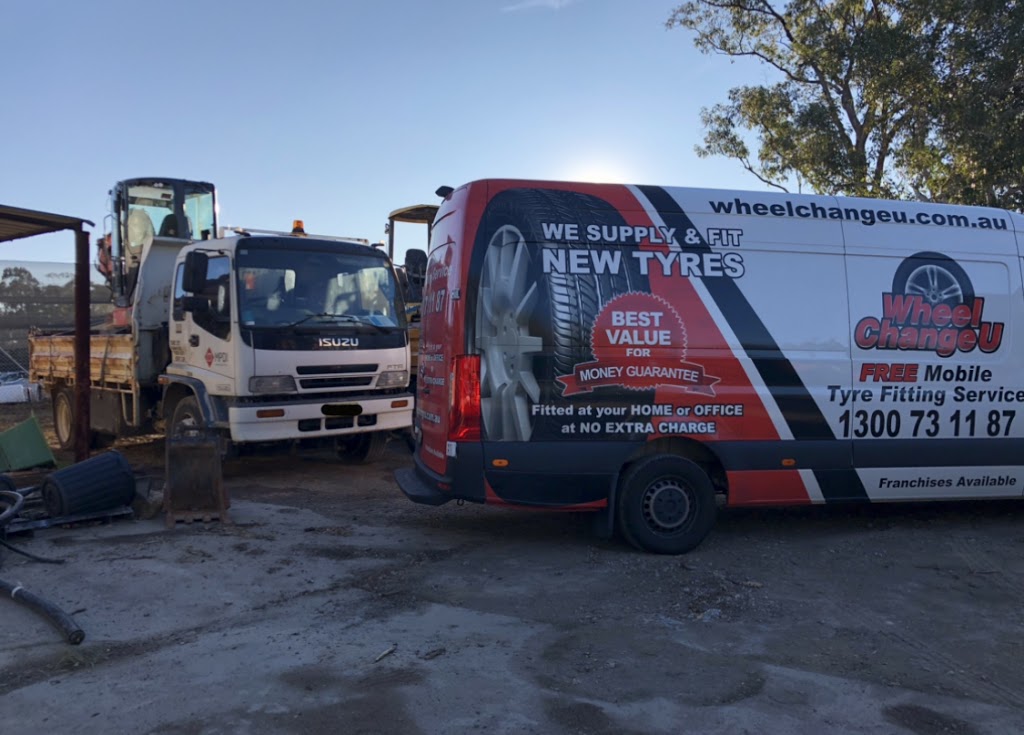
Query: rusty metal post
(82, 356)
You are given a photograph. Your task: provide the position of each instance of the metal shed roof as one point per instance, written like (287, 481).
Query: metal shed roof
(16, 223)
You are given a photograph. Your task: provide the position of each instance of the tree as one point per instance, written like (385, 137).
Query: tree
(977, 102)
(25, 301)
(874, 97)
(18, 291)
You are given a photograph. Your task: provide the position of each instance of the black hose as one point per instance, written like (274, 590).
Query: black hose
(12, 501)
(26, 491)
(53, 614)
(33, 557)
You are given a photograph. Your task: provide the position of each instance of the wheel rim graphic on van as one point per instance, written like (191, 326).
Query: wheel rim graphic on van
(936, 284)
(935, 279)
(505, 303)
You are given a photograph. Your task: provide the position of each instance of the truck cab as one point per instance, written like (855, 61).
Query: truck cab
(288, 337)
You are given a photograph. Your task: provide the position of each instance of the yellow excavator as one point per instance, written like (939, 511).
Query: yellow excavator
(412, 273)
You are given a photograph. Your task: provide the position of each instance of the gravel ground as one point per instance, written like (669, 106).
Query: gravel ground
(333, 604)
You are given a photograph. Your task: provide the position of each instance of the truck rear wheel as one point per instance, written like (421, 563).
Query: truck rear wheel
(666, 504)
(65, 420)
(64, 417)
(362, 448)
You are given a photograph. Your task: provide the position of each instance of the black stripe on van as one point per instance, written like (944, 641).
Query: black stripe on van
(799, 410)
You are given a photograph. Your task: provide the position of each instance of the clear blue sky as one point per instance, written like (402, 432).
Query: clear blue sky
(337, 112)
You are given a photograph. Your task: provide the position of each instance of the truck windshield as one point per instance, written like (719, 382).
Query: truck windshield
(287, 286)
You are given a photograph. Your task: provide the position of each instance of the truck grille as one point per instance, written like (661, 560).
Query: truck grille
(336, 369)
(320, 383)
(336, 376)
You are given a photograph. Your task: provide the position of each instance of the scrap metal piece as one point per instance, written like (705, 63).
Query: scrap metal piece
(20, 525)
(194, 487)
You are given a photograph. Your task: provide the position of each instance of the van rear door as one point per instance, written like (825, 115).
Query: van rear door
(440, 336)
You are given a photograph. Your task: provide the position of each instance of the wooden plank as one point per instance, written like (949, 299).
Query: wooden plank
(52, 358)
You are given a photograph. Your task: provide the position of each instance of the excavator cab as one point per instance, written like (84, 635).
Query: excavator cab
(412, 274)
(143, 211)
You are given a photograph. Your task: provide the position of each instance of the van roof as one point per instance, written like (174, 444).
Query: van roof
(681, 193)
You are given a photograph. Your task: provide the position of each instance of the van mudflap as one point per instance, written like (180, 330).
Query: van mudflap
(417, 490)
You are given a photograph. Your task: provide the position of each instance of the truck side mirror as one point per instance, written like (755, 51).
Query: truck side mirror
(193, 279)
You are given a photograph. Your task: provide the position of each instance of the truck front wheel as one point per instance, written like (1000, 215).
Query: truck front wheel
(187, 419)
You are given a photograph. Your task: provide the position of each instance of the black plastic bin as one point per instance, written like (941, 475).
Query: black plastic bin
(103, 482)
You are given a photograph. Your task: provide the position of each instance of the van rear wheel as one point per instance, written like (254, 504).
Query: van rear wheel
(666, 504)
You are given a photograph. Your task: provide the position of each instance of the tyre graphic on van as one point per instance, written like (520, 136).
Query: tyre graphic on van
(531, 327)
(937, 278)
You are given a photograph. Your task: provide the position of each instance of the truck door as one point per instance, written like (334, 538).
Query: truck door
(200, 336)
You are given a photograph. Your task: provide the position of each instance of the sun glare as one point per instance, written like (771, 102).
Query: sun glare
(598, 171)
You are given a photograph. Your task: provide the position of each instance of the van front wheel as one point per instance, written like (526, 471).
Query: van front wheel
(666, 504)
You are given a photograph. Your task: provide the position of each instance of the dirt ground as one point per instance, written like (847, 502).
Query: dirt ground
(334, 605)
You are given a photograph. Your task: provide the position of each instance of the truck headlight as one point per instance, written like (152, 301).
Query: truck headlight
(393, 379)
(272, 384)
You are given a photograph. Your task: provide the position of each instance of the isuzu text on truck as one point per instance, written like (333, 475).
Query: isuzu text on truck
(649, 352)
(256, 338)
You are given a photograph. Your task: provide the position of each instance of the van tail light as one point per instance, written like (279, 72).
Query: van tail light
(464, 399)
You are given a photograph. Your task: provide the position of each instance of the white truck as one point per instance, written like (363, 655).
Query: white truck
(257, 338)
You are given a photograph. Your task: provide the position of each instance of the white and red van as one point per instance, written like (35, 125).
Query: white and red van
(651, 352)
